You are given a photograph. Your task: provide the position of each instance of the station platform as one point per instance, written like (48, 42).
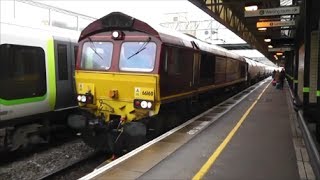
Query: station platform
(257, 139)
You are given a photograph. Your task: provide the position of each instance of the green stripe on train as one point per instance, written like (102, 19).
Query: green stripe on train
(22, 101)
(51, 73)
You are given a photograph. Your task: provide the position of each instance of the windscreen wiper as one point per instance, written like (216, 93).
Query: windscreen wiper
(94, 49)
(143, 47)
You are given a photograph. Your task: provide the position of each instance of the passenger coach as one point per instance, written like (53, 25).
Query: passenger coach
(37, 86)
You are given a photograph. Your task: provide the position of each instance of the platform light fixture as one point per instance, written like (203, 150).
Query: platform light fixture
(262, 29)
(267, 40)
(279, 53)
(270, 46)
(251, 8)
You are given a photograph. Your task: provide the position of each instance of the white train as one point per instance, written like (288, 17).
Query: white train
(36, 78)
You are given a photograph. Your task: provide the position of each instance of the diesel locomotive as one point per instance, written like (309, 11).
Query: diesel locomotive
(133, 79)
(37, 87)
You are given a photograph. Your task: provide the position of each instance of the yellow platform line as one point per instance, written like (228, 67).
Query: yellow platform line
(204, 169)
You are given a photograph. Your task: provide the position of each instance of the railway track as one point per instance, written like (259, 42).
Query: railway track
(77, 168)
(47, 163)
(74, 159)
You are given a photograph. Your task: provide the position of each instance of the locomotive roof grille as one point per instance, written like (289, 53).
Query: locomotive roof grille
(116, 21)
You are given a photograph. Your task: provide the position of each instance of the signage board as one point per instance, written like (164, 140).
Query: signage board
(275, 24)
(273, 11)
(282, 49)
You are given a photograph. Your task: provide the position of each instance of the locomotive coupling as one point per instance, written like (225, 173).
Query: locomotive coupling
(81, 122)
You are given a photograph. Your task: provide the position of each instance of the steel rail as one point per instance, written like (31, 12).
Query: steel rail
(66, 166)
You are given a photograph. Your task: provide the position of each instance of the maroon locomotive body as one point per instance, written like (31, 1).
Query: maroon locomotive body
(135, 75)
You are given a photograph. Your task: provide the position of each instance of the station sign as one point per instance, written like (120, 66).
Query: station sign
(273, 11)
(282, 49)
(275, 24)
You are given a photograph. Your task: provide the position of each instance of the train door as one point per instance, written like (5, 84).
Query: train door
(207, 65)
(64, 62)
(196, 68)
(74, 52)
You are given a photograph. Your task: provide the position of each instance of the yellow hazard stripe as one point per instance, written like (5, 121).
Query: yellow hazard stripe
(204, 169)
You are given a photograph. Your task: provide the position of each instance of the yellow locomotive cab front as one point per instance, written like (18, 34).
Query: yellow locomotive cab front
(117, 83)
(130, 96)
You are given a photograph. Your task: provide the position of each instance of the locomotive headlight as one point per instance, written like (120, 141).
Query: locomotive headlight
(83, 98)
(144, 104)
(149, 105)
(79, 97)
(115, 34)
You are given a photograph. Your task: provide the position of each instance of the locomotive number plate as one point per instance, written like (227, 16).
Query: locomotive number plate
(144, 93)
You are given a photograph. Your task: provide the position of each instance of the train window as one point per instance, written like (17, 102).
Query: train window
(22, 72)
(137, 56)
(62, 62)
(96, 55)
